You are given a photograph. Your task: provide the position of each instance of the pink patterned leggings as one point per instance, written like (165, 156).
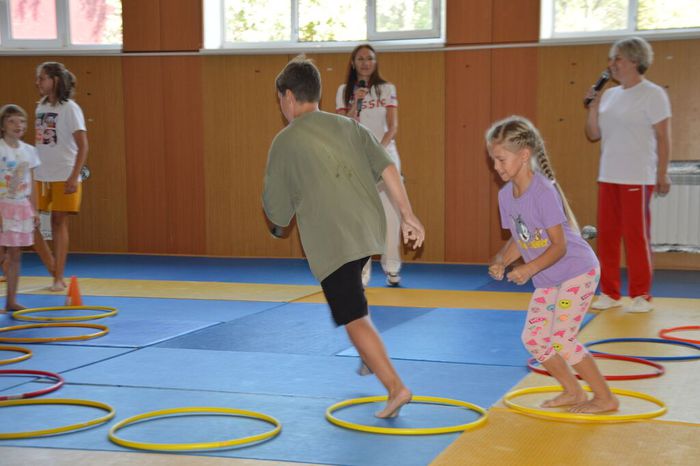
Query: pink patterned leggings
(555, 315)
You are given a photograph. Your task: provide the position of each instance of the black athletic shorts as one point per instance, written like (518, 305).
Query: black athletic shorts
(345, 294)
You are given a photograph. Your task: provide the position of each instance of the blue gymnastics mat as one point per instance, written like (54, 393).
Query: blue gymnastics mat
(130, 333)
(306, 436)
(290, 374)
(470, 336)
(202, 269)
(302, 328)
(54, 358)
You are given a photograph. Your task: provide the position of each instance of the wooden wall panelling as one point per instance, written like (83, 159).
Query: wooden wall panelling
(333, 67)
(145, 134)
(141, 25)
(514, 92)
(184, 153)
(565, 74)
(181, 25)
(676, 67)
(469, 21)
(101, 225)
(241, 117)
(102, 222)
(517, 21)
(419, 78)
(467, 175)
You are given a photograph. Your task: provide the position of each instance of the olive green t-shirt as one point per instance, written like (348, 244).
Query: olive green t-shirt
(324, 169)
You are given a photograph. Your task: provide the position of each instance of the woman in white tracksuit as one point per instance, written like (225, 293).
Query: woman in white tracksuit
(379, 113)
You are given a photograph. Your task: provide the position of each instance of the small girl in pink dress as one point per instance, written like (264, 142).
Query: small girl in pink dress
(17, 217)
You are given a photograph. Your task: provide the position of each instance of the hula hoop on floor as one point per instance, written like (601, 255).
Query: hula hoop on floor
(582, 417)
(59, 383)
(664, 334)
(648, 340)
(62, 429)
(195, 445)
(660, 370)
(27, 354)
(407, 431)
(103, 331)
(22, 314)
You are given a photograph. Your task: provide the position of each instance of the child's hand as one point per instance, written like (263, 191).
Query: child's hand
(497, 270)
(519, 275)
(37, 221)
(412, 230)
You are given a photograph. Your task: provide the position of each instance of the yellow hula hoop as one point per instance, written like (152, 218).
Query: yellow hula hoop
(27, 354)
(103, 331)
(583, 417)
(195, 445)
(21, 315)
(57, 430)
(407, 431)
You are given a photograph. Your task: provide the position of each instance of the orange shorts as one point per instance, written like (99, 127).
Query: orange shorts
(51, 196)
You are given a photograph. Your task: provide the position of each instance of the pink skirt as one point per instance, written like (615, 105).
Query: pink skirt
(17, 223)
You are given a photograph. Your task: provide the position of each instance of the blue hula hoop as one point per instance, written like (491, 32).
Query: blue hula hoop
(648, 340)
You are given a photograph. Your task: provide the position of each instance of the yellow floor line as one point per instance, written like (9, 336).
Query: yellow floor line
(281, 293)
(439, 299)
(175, 289)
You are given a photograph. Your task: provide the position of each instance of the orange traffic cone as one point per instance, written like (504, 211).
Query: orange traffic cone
(73, 296)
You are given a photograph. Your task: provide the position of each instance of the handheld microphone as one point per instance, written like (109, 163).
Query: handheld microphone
(362, 83)
(602, 80)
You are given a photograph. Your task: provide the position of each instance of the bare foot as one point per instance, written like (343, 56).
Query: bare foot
(596, 405)
(394, 404)
(58, 286)
(566, 399)
(14, 307)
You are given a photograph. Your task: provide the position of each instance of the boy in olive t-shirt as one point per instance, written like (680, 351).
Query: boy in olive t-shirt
(323, 168)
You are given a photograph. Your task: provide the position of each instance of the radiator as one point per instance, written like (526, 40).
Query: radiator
(675, 218)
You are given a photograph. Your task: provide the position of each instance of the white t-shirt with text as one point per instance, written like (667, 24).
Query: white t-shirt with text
(373, 113)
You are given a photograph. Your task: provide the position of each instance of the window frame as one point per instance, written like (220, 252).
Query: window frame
(215, 32)
(548, 35)
(63, 39)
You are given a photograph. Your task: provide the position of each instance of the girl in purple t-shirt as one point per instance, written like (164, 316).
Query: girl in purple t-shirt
(563, 267)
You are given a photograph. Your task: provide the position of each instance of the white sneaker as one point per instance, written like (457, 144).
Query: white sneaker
(605, 302)
(639, 304)
(367, 273)
(393, 279)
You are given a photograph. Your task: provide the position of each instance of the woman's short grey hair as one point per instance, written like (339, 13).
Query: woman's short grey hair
(636, 50)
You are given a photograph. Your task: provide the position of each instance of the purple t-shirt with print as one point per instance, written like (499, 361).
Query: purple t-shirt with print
(528, 217)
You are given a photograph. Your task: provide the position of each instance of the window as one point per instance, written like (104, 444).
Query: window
(44, 24)
(586, 18)
(241, 23)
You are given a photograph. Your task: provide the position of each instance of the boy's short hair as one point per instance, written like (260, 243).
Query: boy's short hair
(302, 78)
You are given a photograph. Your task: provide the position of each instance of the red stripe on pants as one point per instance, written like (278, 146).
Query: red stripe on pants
(623, 215)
